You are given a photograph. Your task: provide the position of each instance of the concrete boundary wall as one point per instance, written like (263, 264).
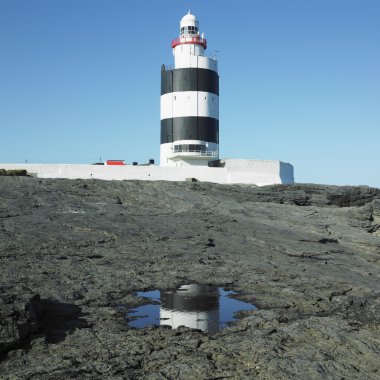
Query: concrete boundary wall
(255, 172)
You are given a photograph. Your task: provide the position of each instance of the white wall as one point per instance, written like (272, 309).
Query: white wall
(257, 172)
(165, 151)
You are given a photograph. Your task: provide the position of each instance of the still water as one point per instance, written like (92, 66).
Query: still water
(203, 307)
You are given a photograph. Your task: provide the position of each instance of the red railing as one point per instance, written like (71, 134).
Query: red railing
(189, 40)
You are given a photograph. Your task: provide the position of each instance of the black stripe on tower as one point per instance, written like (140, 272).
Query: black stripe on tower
(190, 128)
(189, 79)
(205, 300)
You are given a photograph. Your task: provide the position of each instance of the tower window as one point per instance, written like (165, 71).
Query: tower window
(192, 148)
(189, 30)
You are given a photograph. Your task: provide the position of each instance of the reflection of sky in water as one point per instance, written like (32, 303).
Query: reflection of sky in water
(146, 315)
(229, 306)
(210, 318)
(154, 295)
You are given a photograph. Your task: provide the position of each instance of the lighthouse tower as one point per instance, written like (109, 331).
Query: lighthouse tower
(189, 101)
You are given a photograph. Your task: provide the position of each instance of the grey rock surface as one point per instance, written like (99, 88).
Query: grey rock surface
(73, 251)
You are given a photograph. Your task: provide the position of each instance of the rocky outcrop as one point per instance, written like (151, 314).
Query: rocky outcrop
(73, 252)
(20, 311)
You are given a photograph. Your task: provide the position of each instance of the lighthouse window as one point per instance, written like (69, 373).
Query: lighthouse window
(189, 30)
(189, 148)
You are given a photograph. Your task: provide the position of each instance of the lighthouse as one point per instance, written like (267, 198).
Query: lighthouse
(189, 101)
(189, 147)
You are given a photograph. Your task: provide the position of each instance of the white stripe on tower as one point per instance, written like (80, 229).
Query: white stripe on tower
(189, 103)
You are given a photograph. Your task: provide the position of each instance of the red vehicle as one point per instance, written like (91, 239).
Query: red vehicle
(114, 162)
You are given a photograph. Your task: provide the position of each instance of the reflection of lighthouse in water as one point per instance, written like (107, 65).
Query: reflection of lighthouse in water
(194, 306)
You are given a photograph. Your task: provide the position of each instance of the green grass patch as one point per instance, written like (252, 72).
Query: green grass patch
(13, 173)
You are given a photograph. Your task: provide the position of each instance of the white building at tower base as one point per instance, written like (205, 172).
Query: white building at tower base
(227, 171)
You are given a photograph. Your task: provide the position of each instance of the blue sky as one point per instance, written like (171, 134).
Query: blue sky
(299, 81)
